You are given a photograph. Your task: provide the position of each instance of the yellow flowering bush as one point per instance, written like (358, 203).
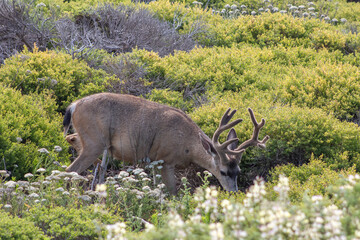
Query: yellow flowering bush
(52, 72)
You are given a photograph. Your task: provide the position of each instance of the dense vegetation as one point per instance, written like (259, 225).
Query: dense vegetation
(295, 63)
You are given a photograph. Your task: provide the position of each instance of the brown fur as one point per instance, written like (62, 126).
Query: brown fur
(133, 129)
(75, 142)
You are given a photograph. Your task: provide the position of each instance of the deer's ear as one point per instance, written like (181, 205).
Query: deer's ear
(232, 135)
(207, 144)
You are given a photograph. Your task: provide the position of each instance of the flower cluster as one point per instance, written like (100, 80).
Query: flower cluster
(116, 231)
(255, 216)
(301, 11)
(255, 194)
(207, 202)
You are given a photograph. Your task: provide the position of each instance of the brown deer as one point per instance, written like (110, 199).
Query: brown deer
(132, 128)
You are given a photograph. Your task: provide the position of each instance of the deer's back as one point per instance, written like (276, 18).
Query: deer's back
(135, 128)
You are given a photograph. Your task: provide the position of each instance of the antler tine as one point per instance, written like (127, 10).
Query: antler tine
(262, 143)
(227, 117)
(254, 141)
(225, 149)
(224, 125)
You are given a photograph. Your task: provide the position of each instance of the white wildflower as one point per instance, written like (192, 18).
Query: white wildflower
(34, 195)
(116, 231)
(10, 184)
(66, 193)
(35, 184)
(143, 174)
(208, 173)
(43, 150)
(41, 170)
(146, 179)
(54, 172)
(57, 148)
(73, 174)
(332, 222)
(256, 193)
(7, 206)
(282, 187)
(130, 179)
(85, 198)
(41, 5)
(216, 231)
(123, 174)
(316, 198)
(23, 183)
(100, 188)
(138, 171)
(28, 175)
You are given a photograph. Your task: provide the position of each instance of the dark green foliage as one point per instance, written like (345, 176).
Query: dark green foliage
(71, 223)
(14, 228)
(347, 192)
(25, 127)
(313, 178)
(40, 72)
(297, 76)
(295, 134)
(169, 97)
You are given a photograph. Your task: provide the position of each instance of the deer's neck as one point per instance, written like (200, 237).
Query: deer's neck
(207, 162)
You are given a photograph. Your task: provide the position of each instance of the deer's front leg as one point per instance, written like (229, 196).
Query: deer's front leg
(168, 176)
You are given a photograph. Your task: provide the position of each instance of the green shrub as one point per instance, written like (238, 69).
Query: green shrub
(313, 178)
(330, 86)
(328, 38)
(15, 228)
(257, 217)
(169, 97)
(214, 68)
(295, 133)
(266, 29)
(26, 127)
(194, 21)
(66, 78)
(74, 7)
(71, 223)
(347, 193)
(297, 76)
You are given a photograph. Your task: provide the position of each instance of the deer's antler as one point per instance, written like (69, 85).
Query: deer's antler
(224, 125)
(254, 141)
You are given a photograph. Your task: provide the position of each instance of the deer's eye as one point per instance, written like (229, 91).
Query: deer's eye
(223, 173)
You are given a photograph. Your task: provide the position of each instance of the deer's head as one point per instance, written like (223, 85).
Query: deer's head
(227, 155)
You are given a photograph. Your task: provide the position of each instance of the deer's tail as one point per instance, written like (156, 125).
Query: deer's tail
(67, 118)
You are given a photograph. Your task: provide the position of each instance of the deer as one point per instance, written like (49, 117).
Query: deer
(132, 128)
